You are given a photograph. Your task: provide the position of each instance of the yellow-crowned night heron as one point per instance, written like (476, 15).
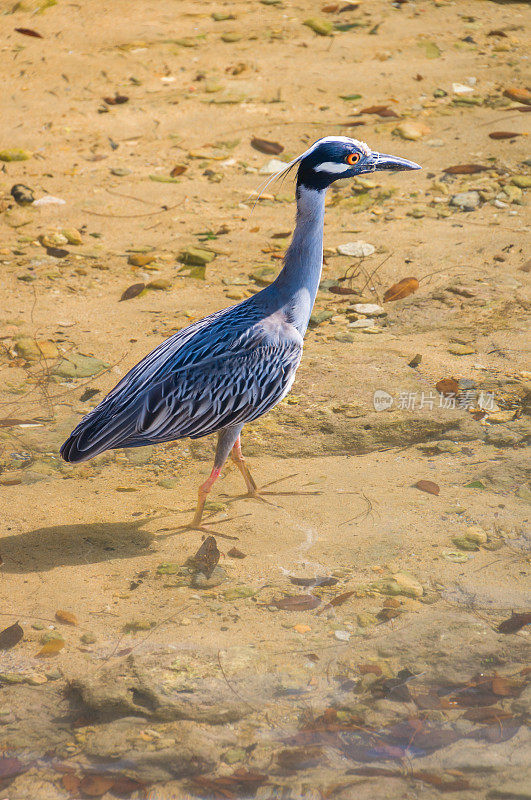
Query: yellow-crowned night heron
(234, 365)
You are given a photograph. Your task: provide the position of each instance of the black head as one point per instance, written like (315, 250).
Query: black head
(337, 157)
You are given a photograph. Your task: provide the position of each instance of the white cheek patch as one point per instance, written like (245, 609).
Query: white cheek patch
(331, 166)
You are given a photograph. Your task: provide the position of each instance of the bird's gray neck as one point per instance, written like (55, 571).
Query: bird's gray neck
(299, 280)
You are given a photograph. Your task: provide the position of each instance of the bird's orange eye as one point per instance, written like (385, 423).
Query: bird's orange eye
(352, 158)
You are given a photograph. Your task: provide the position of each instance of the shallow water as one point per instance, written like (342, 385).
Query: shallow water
(360, 635)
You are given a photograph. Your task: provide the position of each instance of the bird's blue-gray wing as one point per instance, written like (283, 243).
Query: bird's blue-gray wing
(191, 401)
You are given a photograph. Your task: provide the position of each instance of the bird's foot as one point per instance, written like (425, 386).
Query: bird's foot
(203, 528)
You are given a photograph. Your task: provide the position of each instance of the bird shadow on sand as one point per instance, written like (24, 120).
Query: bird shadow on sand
(68, 545)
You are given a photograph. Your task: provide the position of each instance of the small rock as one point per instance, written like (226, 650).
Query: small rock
(522, 181)
(410, 585)
(476, 534)
(365, 619)
(141, 259)
(411, 130)
(342, 636)
(15, 154)
(524, 493)
(72, 236)
(35, 350)
(461, 350)
(53, 240)
(369, 309)
(234, 755)
(159, 284)
(200, 581)
(120, 172)
(36, 679)
(463, 543)
(301, 628)
(88, 638)
(320, 26)
(358, 249)
(196, 256)
(364, 324)
(77, 365)
(466, 201)
(273, 166)
(23, 195)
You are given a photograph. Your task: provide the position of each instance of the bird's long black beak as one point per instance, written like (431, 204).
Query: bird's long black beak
(382, 161)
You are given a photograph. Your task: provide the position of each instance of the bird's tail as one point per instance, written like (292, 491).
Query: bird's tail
(97, 432)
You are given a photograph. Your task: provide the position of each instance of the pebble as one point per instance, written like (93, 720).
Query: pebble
(301, 628)
(72, 236)
(78, 366)
(358, 249)
(141, 259)
(369, 309)
(461, 350)
(272, 166)
(200, 581)
(466, 201)
(15, 154)
(476, 534)
(522, 181)
(342, 636)
(320, 26)
(364, 324)
(49, 200)
(53, 240)
(35, 350)
(411, 130)
(196, 256)
(23, 195)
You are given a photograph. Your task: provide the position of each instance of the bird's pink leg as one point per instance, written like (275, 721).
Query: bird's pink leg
(237, 456)
(202, 496)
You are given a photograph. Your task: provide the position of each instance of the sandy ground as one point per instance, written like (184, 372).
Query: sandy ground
(170, 685)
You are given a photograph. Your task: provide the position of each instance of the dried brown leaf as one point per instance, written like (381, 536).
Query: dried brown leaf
(235, 553)
(264, 146)
(11, 636)
(29, 32)
(324, 581)
(71, 783)
(402, 289)
(427, 486)
(503, 135)
(338, 600)
(96, 785)
(117, 100)
(297, 602)
(465, 169)
(382, 111)
(66, 616)
(448, 387)
(51, 648)
(206, 557)
(519, 95)
(178, 169)
(133, 291)
(515, 622)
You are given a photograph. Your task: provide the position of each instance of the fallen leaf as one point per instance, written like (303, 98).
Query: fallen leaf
(369, 669)
(225, 786)
(206, 557)
(71, 783)
(96, 785)
(427, 486)
(387, 614)
(88, 394)
(51, 648)
(296, 602)
(402, 289)
(465, 169)
(448, 387)
(503, 135)
(264, 146)
(382, 111)
(178, 169)
(519, 95)
(506, 687)
(430, 48)
(9, 422)
(235, 553)
(132, 291)
(11, 636)
(338, 600)
(515, 623)
(312, 581)
(11, 767)
(117, 100)
(342, 290)
(487, 714)
(66, 616)
(29, 32)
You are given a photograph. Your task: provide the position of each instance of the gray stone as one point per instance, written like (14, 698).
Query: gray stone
(466, 201)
